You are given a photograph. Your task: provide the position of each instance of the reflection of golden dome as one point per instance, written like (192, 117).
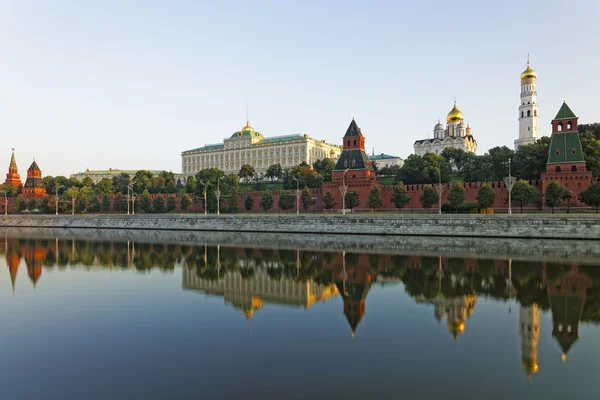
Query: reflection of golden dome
(528, 73)
(255, 304)
(563, 357)
(455, 115)
(529, 366)
(456, 328)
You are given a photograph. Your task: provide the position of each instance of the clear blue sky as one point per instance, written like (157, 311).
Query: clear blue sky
(131, 84)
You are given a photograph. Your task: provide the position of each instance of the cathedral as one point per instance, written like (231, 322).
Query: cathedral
(456, 135)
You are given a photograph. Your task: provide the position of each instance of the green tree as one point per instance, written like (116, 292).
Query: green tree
(10, 190)
(44, 205)
(324, 168)
(498, 162)
(228, 186)
(95, 205)
(400, 196)
(456, 196)
(144, 201)
(142, 180)
(591, 196)
(485, 197)
(374, 201)
(523, 194)
(306, 198)
(246, 172)
(266, 201)
(31, 204)
(305, 175)
(352, 199)
(158, 205)
(530, 160)
(426, 169)
(186, 202)
(274, 172)
(328, 201)
(429, 197)
(171, 203)
(170, 185)
(555, 194)
(105, 203)
(190, 184)
(287, 201)
(105, 186)
(249, 203)
(19, 204)
(87, 182)
(158, 184)
(590, 144)
(120, 183)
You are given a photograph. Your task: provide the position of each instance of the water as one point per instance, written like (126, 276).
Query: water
(122, 320)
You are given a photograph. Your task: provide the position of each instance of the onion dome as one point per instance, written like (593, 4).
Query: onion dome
(528, 73)
(455, 115)
(438, 127)
(469, 131)
(246, 131)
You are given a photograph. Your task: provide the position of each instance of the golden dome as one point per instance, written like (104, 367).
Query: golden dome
(455, 115)
(528, 73)
(247, 127)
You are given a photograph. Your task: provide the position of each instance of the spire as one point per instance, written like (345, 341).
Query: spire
(353, 129)
(527, 60)
(13, 162)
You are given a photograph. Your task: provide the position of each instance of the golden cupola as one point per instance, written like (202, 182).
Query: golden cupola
(455, 115)
(528, 73)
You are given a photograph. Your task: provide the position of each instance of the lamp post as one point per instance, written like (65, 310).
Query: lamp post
(129, 188)
(297, 195)
(132, 202)
(218, 194)
(343, 190)
(5, 203)
(313, 201)
(440, 190)
(509, 182)
(56, 202)
(205, 205)
(569, 201)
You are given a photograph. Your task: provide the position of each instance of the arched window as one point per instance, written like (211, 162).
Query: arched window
(557, 169)
(559, 126)
(569, 125)
(529, 113)
(573, 168)
(535, 113)
(521, 114)
(355, 142)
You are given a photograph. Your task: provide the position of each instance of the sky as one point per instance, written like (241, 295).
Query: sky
(132, 84)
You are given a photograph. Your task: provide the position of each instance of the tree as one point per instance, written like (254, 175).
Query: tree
(246, 172)
(120, 183)
(328, 201)
(105, 203)
(591, 196)
(274, 172)
(400, 196)
(424, 169)
(19, 204)
(266, 201)
(352, 199)
(456, 196)
(324, 168)
(485, 197)
(31, 204)
(228, 186)
(87, 182)
(305, 175)
(190, 184)
(145, 203)
(429, 197)
(590, 144)
(105, 186)
(287, 201)
(555, 194)
(186, 202)
(374, 201)
(158, 184)
(142, 180)
(523, 194)
(95, 205)
(249, 203)
(158, 204)
(530, 160)
(171, 203)
(306, 198)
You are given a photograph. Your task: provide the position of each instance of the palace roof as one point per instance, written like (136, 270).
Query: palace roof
(381, 156)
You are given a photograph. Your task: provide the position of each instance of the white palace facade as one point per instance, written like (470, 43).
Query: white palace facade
(248, 146)
(456, 135)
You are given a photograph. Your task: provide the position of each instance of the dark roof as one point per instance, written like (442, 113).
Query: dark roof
(34, 166)
(353, 159)
(353, 130)
(565, 112)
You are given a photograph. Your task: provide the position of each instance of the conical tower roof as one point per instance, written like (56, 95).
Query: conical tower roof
(565, 112)
(34, 166)
(353, 130)
(13, 161)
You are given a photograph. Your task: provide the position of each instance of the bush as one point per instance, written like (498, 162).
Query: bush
(464, 208)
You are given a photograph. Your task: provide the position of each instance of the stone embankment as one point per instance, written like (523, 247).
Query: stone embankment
(543, 226)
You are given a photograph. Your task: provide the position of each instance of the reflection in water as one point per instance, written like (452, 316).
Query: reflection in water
(249, 278)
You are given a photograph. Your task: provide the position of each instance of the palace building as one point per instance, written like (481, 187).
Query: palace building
(529, 125)
(456, 135)
(249, 146)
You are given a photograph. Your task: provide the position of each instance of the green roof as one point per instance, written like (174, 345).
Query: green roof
(381, 156)
(246, 131)
(565, 112)
(131, 172)
(565, 147)
(207, 147)
(286, 138)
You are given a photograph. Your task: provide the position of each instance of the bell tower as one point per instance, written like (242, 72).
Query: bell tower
(529, 127)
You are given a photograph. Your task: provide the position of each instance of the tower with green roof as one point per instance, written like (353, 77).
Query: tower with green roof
(566, 163)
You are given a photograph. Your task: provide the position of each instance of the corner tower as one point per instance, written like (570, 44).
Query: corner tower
(13, 178)
(34, 185)
(529, 130)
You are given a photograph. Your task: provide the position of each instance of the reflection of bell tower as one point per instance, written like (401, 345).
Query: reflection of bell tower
(529, 319)
(566, 302)
(34, 257)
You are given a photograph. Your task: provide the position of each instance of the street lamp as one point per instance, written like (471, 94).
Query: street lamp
(56, 202)
(343, 190)
(129, 188)
(440, 190)
(5, 203)
(569, 201)
(218, 194)
(509, 182)
(297, 195)
(205, 205)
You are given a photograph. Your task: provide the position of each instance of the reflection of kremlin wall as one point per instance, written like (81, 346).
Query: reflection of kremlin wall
(246, 292)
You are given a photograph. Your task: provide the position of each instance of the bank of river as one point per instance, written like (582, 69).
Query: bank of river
(542, 226)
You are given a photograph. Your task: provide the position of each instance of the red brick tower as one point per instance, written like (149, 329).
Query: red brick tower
(34, 186)
(13, 178)
(353, 169)
(565, 156)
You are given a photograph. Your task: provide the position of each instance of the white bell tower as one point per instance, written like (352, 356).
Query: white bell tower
(529, 127)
